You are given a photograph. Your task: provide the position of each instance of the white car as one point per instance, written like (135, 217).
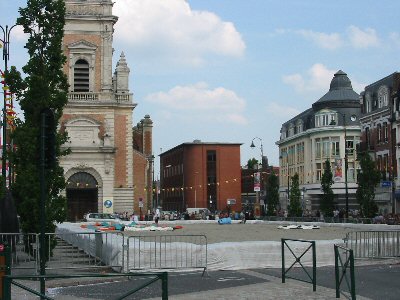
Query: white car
(100, 217)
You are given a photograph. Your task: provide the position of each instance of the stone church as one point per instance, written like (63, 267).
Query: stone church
(109, 168)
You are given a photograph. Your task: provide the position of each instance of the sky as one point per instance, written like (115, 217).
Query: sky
(235, 70)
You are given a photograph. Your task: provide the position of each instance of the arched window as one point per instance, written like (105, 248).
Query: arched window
(81, 76)
(82, 180)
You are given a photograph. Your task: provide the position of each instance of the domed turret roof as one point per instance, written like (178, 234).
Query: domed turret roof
(340, 89)
(340, 81)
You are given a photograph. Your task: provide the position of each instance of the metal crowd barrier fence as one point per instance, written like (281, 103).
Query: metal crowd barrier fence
(342, 265)
(298, 257)
(166, 252)
(14, 280)
(24, 249)
(374, 244)
(318, 219)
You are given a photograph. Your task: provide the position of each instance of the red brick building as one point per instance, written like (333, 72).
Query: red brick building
(201, 175)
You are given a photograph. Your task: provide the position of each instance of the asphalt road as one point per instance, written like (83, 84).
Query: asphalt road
(374, 282)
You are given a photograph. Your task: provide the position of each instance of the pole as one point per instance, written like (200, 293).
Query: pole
(42, 202)
(346, 166)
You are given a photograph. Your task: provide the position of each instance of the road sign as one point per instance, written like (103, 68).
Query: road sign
(140, 202)
(231, 201)
(386, 183)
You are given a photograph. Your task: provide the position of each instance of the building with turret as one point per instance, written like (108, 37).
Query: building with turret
(102, 171)
(329, 130)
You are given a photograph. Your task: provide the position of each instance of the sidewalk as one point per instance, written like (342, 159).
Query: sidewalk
(272, 289)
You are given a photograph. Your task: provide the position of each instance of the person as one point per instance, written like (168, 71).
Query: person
(157, 215)
(243, 217)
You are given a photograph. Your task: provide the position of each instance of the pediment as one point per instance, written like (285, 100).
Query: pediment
(82, 45)
(82, 122)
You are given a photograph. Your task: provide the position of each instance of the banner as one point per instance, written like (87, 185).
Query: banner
(338, 170)
(257, 183)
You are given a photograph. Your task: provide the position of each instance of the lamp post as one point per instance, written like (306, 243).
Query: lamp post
(346, 161)
(6, 56)
(257, 189)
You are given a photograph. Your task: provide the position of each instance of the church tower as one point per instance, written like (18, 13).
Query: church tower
(98, 116)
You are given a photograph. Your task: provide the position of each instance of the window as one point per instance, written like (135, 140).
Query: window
(81, 76)
(318, 148)
(349, 146)
(385, 132)
(335, 148)
(367, 136)
(325, 147)
(382, 96)
(325, 118)
(211, 156)
(319, 172)
(379, 132)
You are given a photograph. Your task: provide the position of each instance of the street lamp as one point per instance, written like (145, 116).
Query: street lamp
(195, 189)
(257, 189)
(6, 56)
(346, 164)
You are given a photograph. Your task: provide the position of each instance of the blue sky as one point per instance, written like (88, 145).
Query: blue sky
(232, 70)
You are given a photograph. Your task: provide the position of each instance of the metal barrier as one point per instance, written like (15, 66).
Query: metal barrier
(313, 278)
(374, 244)
(341, 271)
(12, 280)
(77, 250)
(166, 252)
(24, 248)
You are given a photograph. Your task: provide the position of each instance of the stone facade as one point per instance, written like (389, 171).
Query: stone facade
(99, 115)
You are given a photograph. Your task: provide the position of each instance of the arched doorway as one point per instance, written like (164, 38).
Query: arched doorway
(82, 195)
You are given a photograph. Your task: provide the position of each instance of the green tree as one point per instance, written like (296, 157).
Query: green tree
(272, 194)
(295, 209)
(326, 185)
(252, 163)
(367, 180)
(45, 85)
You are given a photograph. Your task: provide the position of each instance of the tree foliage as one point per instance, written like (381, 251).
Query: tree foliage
(45, 85)
(295, 209)
(272, 194)
(368, 178)
(252, 163)
(327, 197)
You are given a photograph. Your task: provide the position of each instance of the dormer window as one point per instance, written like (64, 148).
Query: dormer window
(81, 76)
(382, 96)
(325, 118)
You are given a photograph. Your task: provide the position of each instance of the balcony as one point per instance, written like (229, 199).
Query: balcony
(99, 98)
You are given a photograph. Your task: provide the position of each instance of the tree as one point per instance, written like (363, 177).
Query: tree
(273, 194)
(367, 180)
(295, 209)
(326, 185)
(45, 85)
(252, 163)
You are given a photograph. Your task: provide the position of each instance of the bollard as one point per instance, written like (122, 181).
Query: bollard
(5, 269)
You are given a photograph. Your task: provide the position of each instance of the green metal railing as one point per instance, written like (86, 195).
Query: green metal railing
(313, 277)
(341, 271)
(12, 280)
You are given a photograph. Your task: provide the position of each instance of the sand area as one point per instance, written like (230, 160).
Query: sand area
(261, 231)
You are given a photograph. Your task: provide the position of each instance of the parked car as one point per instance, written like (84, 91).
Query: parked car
(100, 217)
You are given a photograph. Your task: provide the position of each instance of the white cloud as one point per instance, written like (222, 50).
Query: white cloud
(330, 41)
(363, 38)
(395, 39)
(173, 30)
(199, 102)
(318, 78)
(275, 109)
